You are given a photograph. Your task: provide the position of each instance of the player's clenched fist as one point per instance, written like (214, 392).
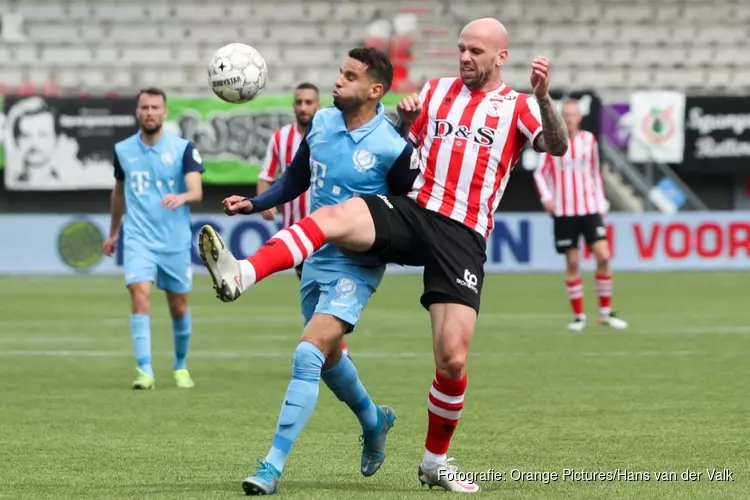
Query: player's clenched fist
(236, 204)
(269, 214)
(540, 77)
(409, 108)
(109, 246)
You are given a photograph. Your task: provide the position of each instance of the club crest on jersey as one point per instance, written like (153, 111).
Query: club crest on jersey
(167, 158)
(363, 160)
(494, 110)
(483, 136)
(197, 157)
(345, 287)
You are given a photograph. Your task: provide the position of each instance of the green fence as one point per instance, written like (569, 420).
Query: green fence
(232, 139)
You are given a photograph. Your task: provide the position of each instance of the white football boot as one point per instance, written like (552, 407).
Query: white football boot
(611, 320)
(578, 324)
(221, 264)
(445, 475)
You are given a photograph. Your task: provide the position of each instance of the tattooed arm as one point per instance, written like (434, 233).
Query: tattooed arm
(554, 136)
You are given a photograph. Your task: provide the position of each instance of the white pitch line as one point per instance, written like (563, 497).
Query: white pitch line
(116, 322)
(716, 329)
(390, 317)
(250, 319)
(23, 339)
(10, 330)
(364, 354)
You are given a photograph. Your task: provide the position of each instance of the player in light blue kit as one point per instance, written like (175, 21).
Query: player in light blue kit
(349, 150)
(157, 176)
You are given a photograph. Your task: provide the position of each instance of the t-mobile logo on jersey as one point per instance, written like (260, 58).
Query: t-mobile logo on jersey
(139, 181)
(470, 281)
(484, 136)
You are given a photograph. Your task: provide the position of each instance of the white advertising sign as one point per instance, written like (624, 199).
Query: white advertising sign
(71, 244)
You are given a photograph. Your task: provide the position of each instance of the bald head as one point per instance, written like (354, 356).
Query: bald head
(483, 48)
(489, 30)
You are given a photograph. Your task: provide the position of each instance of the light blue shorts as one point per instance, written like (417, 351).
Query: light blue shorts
(341, 294)
(173, 271)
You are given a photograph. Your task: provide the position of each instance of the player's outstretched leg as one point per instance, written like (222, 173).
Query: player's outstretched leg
(220, 263)
(298, 404)
(286, 249)
(348, 225)
(376, 421)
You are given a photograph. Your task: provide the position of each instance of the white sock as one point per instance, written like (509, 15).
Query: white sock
(247, 274)
(430, 458)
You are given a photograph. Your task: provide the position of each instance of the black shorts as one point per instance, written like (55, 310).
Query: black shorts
(453, 255)
(568, 231)
(298, 270)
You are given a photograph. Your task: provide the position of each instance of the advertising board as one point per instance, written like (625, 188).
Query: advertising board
(71, 244)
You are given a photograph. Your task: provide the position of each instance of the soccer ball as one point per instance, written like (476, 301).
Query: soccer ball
(237, 73)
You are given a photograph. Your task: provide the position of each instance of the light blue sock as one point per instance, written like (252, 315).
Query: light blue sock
(140, 332)
(181, 328)
(299, 402)
(343, 380)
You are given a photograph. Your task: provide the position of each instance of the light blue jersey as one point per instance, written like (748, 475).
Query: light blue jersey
(338, 164)
(157, 240)
(344, 164)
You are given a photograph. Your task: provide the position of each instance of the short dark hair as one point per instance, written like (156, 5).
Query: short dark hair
(307, 86)
(378, 64)
(34, 106)
(151, 91)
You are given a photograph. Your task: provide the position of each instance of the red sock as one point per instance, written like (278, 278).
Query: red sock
(574, 287)
(604, 291)
(344, 348)
(287, 248)
(444, 405)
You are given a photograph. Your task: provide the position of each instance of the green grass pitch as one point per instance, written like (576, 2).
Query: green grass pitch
(668, 395)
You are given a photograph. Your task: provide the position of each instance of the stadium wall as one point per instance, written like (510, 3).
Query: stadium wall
(231, 139)
(71, 244)
(705, 139)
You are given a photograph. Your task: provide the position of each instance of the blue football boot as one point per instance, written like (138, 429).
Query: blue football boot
(264, 482)
(373, 444)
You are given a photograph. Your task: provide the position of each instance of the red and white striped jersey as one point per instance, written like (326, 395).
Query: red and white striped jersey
(468, 144)
(279, 155)
(573, 181)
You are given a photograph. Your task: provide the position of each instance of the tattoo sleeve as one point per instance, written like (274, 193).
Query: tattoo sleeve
(554, 136)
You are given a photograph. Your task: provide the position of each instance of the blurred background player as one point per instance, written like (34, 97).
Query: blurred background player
(349, 150)
(157, 176)
(572, 190)
(280, 152)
